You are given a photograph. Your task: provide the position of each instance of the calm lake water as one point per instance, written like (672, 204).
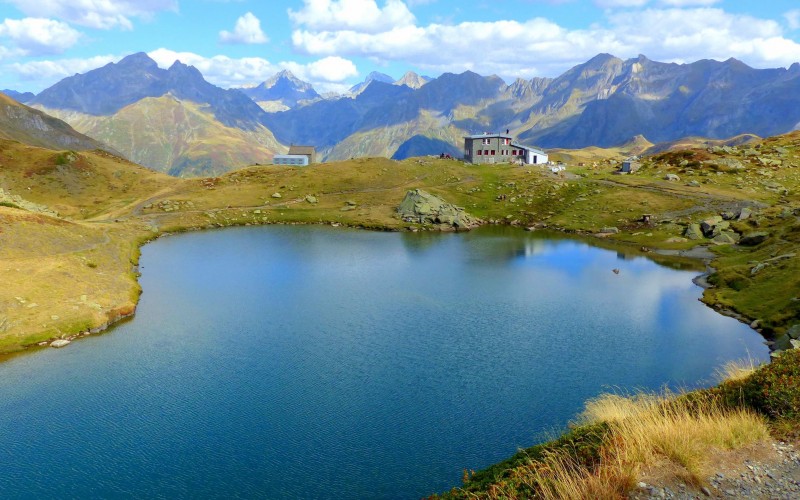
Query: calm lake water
(312, 362)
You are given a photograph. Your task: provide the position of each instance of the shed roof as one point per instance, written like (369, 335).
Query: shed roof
(301, 150)
(535, 150)
(488, 135)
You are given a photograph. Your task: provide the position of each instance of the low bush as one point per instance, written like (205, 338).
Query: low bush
(773, 389)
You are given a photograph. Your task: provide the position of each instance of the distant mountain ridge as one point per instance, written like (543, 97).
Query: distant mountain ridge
(283, 89)
(106, 90)
(22, 97)
(170, 120)
(603, 102)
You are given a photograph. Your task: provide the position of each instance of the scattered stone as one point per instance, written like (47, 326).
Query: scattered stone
(754, 238)
(609, 230)
(276, 195)
(311, 199)
(712, 225)
(694, 232)
(745, 213)
(59, 343)
(672, 178)
(693, 184)
(726, 238)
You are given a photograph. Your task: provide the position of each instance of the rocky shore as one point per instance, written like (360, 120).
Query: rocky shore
(775, 476)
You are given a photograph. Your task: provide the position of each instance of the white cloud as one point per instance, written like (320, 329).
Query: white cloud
(611, 4)
(689, 3)
(100, 14)
(540, 47)
(360, 15)
(46, 73)
(325, 74)
(247, 31)
(36, 36)
(793, 18)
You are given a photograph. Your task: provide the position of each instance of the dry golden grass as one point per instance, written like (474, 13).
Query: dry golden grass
(644, 430)
(736, 370)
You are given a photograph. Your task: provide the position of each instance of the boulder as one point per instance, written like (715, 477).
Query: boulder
(745, 213)
(422, 207)
(754, 238)
(726, 238)
(794, 332)
(311, 199)
(276, 195)
(782, 343)
(59, 343)
(672, 178)
(609, 230)
(709, 225)
(694, 232)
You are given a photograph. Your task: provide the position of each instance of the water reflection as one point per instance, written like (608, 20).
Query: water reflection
(303, 362)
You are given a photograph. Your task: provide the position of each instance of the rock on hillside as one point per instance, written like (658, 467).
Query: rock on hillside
(424, 208)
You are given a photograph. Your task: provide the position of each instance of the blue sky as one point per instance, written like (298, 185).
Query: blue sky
(336, 43)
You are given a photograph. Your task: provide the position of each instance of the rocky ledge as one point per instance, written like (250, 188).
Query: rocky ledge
(421, 207)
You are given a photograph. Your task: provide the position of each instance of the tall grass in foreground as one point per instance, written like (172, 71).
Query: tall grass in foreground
(737, 370)
(645, 429)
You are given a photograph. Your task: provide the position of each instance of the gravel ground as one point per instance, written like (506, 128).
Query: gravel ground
(774, 476)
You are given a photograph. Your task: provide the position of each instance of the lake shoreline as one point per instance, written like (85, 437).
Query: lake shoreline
(699, 253)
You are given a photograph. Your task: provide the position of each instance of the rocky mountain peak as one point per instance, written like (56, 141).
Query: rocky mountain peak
(412, 80)
(139, 59)
(374, 76)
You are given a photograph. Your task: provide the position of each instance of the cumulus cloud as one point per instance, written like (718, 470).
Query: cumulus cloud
(35, 36)
(540, 47)
(689, 3)
(325, 74)
(611, 4)
(364, 16)
(45, 73)
(247, 31)
(100, 14)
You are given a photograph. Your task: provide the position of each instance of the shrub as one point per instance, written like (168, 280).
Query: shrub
(773, 390)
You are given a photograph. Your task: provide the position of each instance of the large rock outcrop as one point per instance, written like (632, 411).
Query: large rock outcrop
(421, 207)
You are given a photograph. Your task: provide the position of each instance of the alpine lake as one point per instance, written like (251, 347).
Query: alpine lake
(318, 362)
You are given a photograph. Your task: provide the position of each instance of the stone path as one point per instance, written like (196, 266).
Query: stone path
(773, 477)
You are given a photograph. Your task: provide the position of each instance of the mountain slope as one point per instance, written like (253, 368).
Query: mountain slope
(665, 102)
(35, 128)
(170, 120)
(178, 137)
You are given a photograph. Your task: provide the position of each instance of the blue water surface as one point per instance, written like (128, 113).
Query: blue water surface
(312, 362)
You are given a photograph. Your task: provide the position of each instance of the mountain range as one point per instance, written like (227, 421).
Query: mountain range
(174, 121)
